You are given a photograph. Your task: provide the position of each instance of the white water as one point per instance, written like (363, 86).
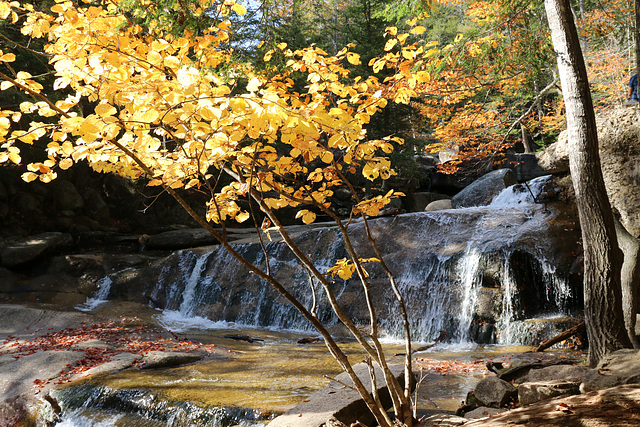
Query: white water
(100, 297)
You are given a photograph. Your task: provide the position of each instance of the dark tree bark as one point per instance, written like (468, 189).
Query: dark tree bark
(602, 256)
(630, 277)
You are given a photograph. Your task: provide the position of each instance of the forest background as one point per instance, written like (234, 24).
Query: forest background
(489, 78)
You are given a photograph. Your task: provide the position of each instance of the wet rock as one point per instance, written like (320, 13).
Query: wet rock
(168, 359)
(535, 391)
(26, 250)
(438, 205)
(28, 205)
(493, 392)
(620, 367)
(336, 401)
(4, 193)
(482, 191)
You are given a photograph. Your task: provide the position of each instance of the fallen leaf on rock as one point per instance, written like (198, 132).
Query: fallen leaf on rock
(563, 407)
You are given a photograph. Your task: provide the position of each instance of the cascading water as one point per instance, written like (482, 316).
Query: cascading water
(477, 273)
(100, 296)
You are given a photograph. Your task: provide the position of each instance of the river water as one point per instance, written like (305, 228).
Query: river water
(263, 378)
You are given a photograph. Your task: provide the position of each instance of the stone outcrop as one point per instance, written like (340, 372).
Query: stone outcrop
(619, 142)
(483, 190)
(617, 406)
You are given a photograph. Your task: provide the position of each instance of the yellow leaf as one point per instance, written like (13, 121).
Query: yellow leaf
(65, 164)
(239, 9)
(105, 110)
(390, 44)
(353, 58)
(154, 182)
(254, 84)
(150, 116)
(327, 157)
(8, 57)
(29, 176)
(5, 85)
(307, 216)
(282, 46)
(15, 158)
(418, 30)
(192, 183)
(242, 216)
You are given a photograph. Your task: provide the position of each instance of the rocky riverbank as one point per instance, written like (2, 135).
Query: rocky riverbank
(43, 348)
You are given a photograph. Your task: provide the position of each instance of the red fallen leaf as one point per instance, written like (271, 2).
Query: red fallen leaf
(563, 407)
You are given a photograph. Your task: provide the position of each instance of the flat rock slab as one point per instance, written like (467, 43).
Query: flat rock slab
(26, 321)
(338, 402)
(617, 406)
(18, 376)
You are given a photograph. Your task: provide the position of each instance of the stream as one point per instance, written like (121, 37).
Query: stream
(265, 377)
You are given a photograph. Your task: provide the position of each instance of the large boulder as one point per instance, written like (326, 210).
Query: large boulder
(619, 142)
(483, 190)
(492, 392)
(535, 391)
(28, 249)
(339, 403)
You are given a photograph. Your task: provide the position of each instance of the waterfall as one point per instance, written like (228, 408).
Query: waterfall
(99, 297)
(469, 278)
(481, 274)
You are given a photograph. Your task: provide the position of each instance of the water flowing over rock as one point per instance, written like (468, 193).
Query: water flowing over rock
(445, 262)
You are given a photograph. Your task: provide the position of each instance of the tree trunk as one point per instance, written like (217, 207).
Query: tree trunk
(630, 277)
(602, 257)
